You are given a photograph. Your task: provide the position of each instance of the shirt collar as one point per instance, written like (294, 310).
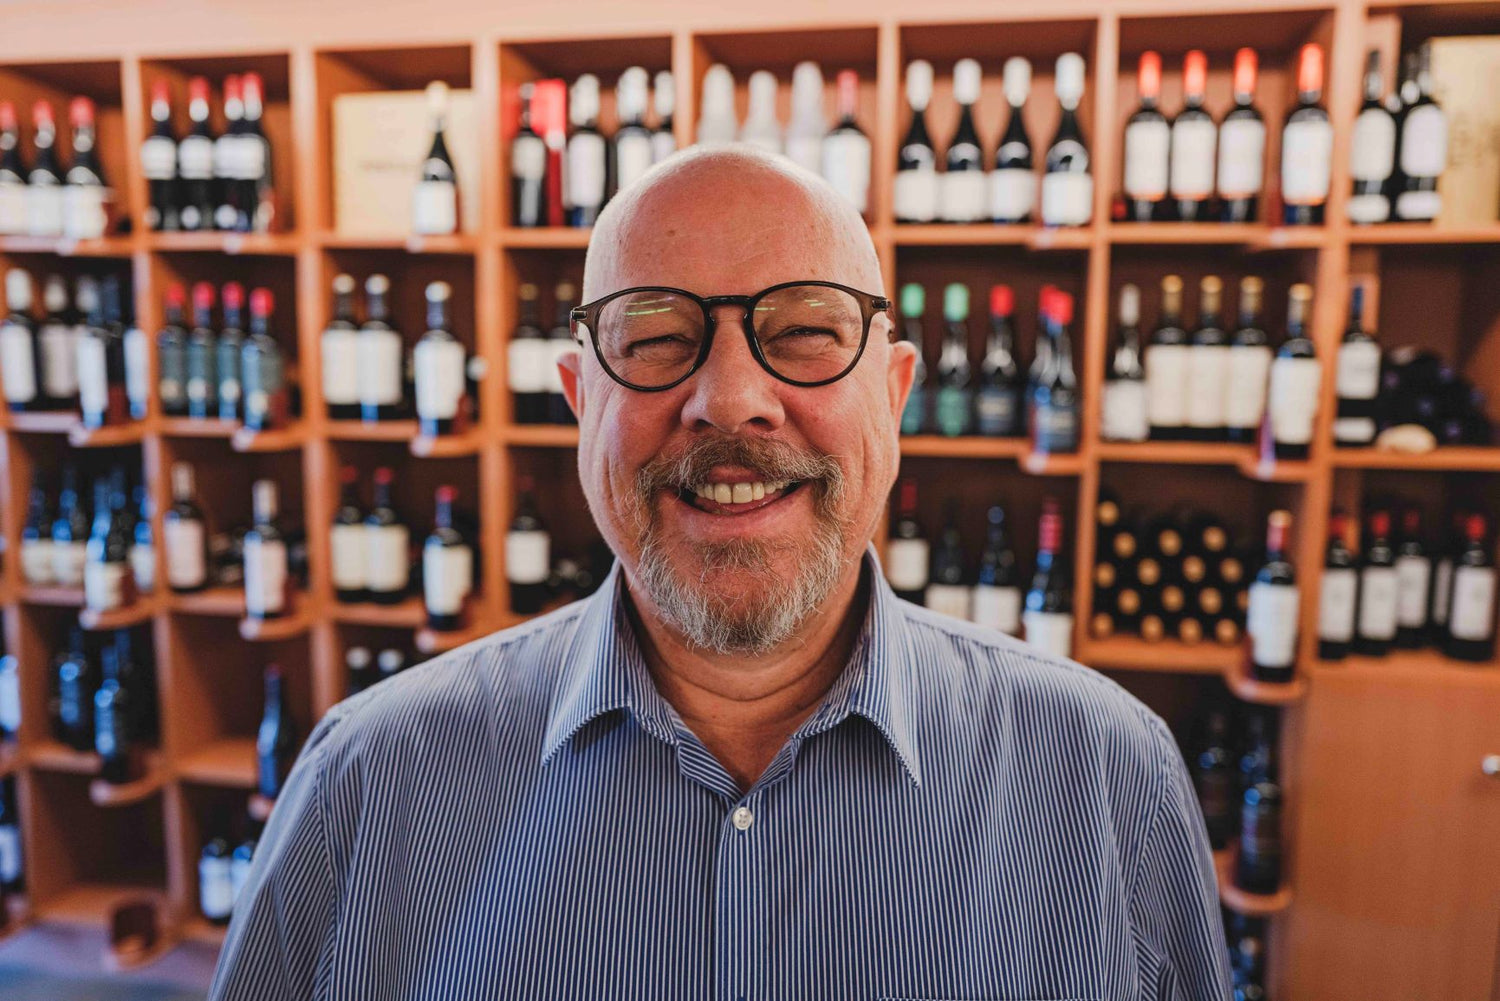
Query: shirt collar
(603, 670)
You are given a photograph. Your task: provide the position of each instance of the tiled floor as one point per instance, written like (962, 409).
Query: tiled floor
(56, 963)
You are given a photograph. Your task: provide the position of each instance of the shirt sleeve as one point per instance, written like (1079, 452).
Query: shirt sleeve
(281, 936)
(1174, 899)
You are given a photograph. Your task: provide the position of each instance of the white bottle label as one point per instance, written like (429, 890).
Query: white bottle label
(998, 608)
(1067, 199)
(1306, 152)
(1242, 157)
(1124, 417)
(1012, 194)
(439, 377)
(917, 195)
(1368, 209)
(528, 557)
(948, 599)
(137, 367)
(1245, 397)
(846, 166)
(1272, 624)
(1358, 376)
(1050, 632)
(633, 157)
(1208, 378)
(10, 853)
(44, 210)
(527, 359)
(103, 585)
(340, 355)
(215, 888)
(265, 576)
(1336, 604)
(906, 563)
(1193, 158)
(664, 144)
(195, 158)
(583, 177)
(68, 559)
(1442, 590)
(1377, 603)
(1413, 574)
(1372, 153)
(804, 150)
(59, 361)
(159, 158)
(528, 159)
(1147, 152)
(186, 552)
(249, 158)
(143, 567)
(434, 208)
(13, 209)
(83, 211)
(1294, 399)
(17, 364)
(379, 367)
(347, 552)
(963, 196)
(387, 555)
(1166, 384)
(447, 573)
(1418, 205)
(36, 561)
(1473, 603)
(1424, 142)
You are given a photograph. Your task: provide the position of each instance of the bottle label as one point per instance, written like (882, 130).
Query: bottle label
(1056, 428)
(1012, 194)
(1372, 153)
(1166, 384)
(1294, 399)
(83, 211)
(996, 409)
(1424, 142)
(347, 552)
(265, 576)
(17, 364)
(223, 156)
(963, 196)
(187, 548)
(1368, 209)
(387, 557)
(248, 158)
(914, 416)
(1413, 574)
(340, 353)
(1473, 603)
(434, 208)
(906, 563)
(583, 177)
(1124, 406)
(68, 559)
(159, 158)
(528, 358)
(528, 557)
(916, 195)
(633, 157)
(953, 417)
(1242, 157)
(59, 361)
(44, 210)
(1358, 376)
(1049, 632)
(1306, 151)
(804, 150)
(948, 599)
(846, 166)
(13, 212)
(447, 574)
(1067, 199)
(1271, 622)
(1418, 205)
(1354, 430)
(1193, 158)
(439, 378)
(143, 567)
(1336, 604)
(215, 889)
(528, 159)
(1208, 378)
(1147, 151)
(103, 585)
(1442, 590)
(1377, 603)
(195, 158)
(380, 367)
(998, 608)
(137, 368)
(36, 561)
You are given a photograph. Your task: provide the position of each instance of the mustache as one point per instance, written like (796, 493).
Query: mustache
(769, 458)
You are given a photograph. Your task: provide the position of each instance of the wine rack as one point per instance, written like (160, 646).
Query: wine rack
(1433, 285)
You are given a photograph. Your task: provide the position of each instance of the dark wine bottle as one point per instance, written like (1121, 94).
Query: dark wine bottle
(528, 356)
(1274, 605)
(387, 545)
(276, 740)
(57, 349)
(1242, 146)
(159, 163)
(258, 199)
(1306, 145)
(633, 141)
(1413, 582)
(1471, 608)
(559, 343)
(230, 354)
(20, 354)
(1048, 618)
(955, 392)
(1068, 184)
(961, 187)
(528, 549)
(587, 156)
(171, 354)
(85, 192)
(528, 168)
(907, 552)
(916, 192)
(185, 535)
(447, 567)
(262, 371)
(379, 353)
(267, 582)
(1124, 415)
(438, 362)
(1249, 368)
(1207, 367)
(44, 194)
(202, 356)
(1338, 592)
(1357, 378)
(347, 540)
(1424, 149)
(1377, 589)
(996, 601)
(1013, 181)
(77, 682)
(1194, 136)
(115, 739)
(230, 211)
(997, 404)
(13, 173)
(1258, 861)
(1296, 381)
(107, 582)
(1148, 140)
(948, 587)
(1054, 389)
(916, 418)
(215, 887)
(196, 155)
(339, 350)
(434, 199)
(1167, 366)
(1372, 151)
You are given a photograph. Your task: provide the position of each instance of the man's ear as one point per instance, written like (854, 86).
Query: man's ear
(899, 375)
(570, 370)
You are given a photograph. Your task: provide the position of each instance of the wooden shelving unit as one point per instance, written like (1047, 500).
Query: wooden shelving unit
(204, 769)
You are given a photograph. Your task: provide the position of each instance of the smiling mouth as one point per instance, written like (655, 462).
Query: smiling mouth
(730, 499)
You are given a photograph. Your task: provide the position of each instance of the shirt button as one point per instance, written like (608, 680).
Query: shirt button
(743, 818)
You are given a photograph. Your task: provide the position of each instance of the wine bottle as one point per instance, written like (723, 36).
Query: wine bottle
(84, 192)
(1271, 620)
(528, 356)
(1213, 780)
(996, 601)
(447, 567)
(339, 346)
(1125, 401)
(1413, 582)
(215, 888)
(1068, 185)
(1296, 377)
(1249, 368)
(142, 544)
(761, 129)
(196, 156)
(110, 389)
(1357, 378)
(559, 343)
(717, 122)
(1372, 151)
(915, 418)
(358, 669)
(1402, 99)
(261, 369)
(664, 100)
(266, 579)
(528, 548)
(1424, 149)
(1306, 145)
(276, 740)
(1054, 389)
(171, 354)
(1471, 608)
(36, 536)
(57, 347)
(634, 142)
(70, 532)
(107, 583)
(1258, 861)
(1167, 366)
(916, 193)
(346, 540)
(387, 545)
(44, 192)
(1194, 136)
(13, 174)
(961, 189)
(948, 588)
(1242, 146)
(20, 356)
(1148, 141)
(997, 403)
(1376, 628)
(378, 353)
(159, 163)
(1338, 593)
(258, 200)
(228, 161)
(1207, 367)
(115, 739)
(434, 200)
(439, 361)
(808, 126)
(229, 356)
(1012, 182)
(239, 865)
(955, 394)
(1048, 619)
(202, 355)
(908, 553)
(528, 168)
(76, 684)
(588, 154)
(846, 148)
(185, 535)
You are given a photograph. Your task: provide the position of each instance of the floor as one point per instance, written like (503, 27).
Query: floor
(56, 963)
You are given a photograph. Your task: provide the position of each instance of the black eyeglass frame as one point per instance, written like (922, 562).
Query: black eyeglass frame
(870, 305)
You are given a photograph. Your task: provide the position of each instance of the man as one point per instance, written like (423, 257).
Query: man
(743, 769)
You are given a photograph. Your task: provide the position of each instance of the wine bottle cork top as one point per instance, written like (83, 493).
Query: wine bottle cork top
(913, 300)
(966, 79)
(343, 284)
(1016, 77)
(919, 83)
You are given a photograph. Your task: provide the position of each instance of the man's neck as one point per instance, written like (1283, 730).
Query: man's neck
(745, 708)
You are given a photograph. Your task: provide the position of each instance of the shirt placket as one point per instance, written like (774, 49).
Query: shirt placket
(738, 947)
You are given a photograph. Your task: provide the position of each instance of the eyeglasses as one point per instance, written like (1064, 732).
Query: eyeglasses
(653, 337)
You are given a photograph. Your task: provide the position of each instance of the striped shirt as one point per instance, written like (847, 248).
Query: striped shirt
(526, 817)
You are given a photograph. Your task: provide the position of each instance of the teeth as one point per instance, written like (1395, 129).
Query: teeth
(723, 493)
(757, 491)
(742, 493)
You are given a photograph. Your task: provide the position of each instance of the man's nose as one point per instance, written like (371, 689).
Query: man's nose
(732, 390)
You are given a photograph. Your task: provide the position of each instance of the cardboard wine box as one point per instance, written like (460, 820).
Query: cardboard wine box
(1465, 80)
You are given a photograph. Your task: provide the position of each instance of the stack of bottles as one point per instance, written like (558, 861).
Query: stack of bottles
(1236, 773)
(46, 198)
(532, 355)
(103, 699)
(1400, 145)
(98, 540)
(537, 575)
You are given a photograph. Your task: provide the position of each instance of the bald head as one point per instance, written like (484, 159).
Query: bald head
(728, 220)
